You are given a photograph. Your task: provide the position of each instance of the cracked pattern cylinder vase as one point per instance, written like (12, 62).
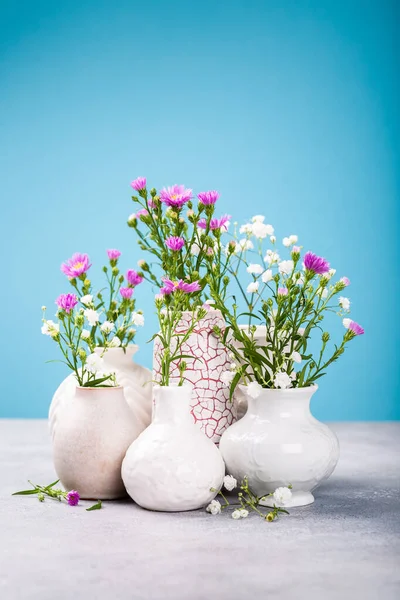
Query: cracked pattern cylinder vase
(279, 443)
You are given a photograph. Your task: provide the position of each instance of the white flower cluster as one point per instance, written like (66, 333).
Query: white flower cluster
(50, 328)
(257, 228)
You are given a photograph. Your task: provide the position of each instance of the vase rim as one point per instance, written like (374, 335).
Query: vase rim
(106, 387)
(129, 349)
(313, 387)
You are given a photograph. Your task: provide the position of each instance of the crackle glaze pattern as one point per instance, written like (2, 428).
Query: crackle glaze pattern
(210, 406)
(94, 429)
(172, 465)
(278, 442)
(130, 376)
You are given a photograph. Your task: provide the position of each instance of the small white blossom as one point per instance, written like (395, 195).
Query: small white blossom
(346, 323)
(258, 219)
(115, 342)
(296, 357)
(236, 514)
(226, 377)
(87, 300)
(210, 302)
(214, 507)
(293, 239)
(244, 244)
(286, 242)
(85, 335)
(92, 316)
(301, 330)
(286, 267)
(195, 249)
(252, 288)
(230, 483)
(107, 327)
(282, 380)
(94, 363)
(344, 303)
(50, 328)
(246, 228)
(272, 239)
(243, 513)
(255, 269)
(331, 273)
(282, 495)
(267, 276)
(260, 230)
(137, 319)
(322, 292)
(254, 389)
(233, 366)
(271, 257)
(293, 375)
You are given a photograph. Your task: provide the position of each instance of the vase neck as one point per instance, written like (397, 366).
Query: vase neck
(172, 404)
(282, 404)
(118, 358)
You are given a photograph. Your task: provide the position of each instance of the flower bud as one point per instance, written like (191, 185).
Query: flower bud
(82, 354)
(79, 320)
(182, 366)
(115, 271)
(143, 265)
(225, 280)
(43, 308)
(86, 283)
(325, 337)
(132, 220)
(40, 497)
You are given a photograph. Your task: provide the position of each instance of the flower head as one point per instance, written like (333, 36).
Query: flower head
(175, 196)
(282, 495)
(214, 507)
(261, 230)
(171, 286)
(139, 184)
(87, 300)
(227, 377)
(286, 267)
(85, 334)
(267, 276)
(345, 281)
(113, 254)
(315, 264)
(143, 212)
(282, 291)
(356, 328)
(344, 303)
(76, 266)
(254, 389)
(92, 316)
(230, 483)
(126, 292)
(115, 342)
(138, 319)
(208, 198)
(282, 380)
(252, 288)
(175, 243)
(94, 363)
(221, 223)
(50, 328)
(73, 498)
(255, 269)
(258, 219)
(236, 514)
(107, 327)
(133, 278)
(67, 302)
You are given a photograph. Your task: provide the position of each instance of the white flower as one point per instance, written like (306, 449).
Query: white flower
(87, 300)
(300, 279)
(301, 330)
(323, 292)
(107, 327)
(254, 389)
(344, 303)
(286, 267)
(138, 319)
(236, 514)
(252, 287)
(210, 302)
(330, 273)
(260, 230)
(94, 363)
(50, 328)
(293, 239)
(296, 357)
(233, 366)
(226, 377)
(282, 380)
(286, 242)
(214, 507)
(267, 276)
(272, 239)
(246, 228)
(243, 513)
(271, 257)
(195, 249)
(230, 483)
(92, 316)
(258, 219)
(255, 269)
(293, 375)
(346, 323)
(245, 244)
(282, 495)
(85, 335)
(115, 342)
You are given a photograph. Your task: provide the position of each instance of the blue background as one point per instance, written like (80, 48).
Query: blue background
(289, 109)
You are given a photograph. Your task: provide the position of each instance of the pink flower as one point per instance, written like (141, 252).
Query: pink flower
(151, 203)
(345, 280)
(175, 243)
(67, 302)
(296, 250)
(355, 328)
(221, 223)
(282, 291)
(208, 198)
(141, 213)
(315, 264)
(75, 266)
(189, 288)
(73, 498)
(133, 277)
(113, 254)
(139, 184)
(175, 196)
(171, 286)
(126, 292)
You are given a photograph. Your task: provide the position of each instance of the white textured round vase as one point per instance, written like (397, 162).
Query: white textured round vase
(172, 466)
(94, 429)
(211, 407)
(130, 376)
(279, 443)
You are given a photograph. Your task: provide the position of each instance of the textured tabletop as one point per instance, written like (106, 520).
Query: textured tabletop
(345, 546)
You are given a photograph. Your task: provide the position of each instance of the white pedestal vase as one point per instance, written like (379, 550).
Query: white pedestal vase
(278, 442)
(210, 405)
(130, 376)
(172, 465)
(94, 429)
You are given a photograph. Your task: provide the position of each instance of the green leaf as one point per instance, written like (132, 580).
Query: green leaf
(234, 383)
(52, 484)
(95, 382)
(96, 506)
(247, 314)
(25, 493)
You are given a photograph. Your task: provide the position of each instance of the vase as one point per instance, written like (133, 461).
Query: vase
(94, 430)
(279, 443)
(132, 377)
(211, 408)
(172, 466)
(239, 397)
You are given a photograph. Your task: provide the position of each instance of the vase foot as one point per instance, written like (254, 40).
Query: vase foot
(299, 498)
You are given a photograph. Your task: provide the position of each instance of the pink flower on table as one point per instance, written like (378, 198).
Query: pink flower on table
(73, 498)
(113, 254)
(67, 302)
(175, 243)
(345, 281)
(356, 328)
(282, 291)
(76, 266)
(175, 196)
(221, 223)
(126, 292)
(315, 264)
(139, 184)
(208, 198)
(186, 287)
(133, 277)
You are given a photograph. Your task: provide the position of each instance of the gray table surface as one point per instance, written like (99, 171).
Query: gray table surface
(345, 546)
